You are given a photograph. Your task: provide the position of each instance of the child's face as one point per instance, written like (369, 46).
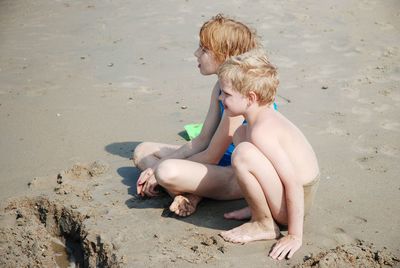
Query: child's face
(234, 102)
(207, 61)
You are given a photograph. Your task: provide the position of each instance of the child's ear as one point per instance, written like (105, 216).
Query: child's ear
(252, 96)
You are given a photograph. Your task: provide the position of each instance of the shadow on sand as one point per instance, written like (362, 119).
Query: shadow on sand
(123, 149)
(209, 212)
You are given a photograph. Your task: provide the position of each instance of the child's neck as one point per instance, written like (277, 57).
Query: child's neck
(254, 111)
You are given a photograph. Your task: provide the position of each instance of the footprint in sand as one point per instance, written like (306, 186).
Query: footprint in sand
(382, 108)
(351, 93)
(338, 234)
(390, 125)
(341, 237)
(334, 130)
(371, 153)
(364, 162)
(369, 144)
(364, 144)
(341, 46)
(371, 163)
(390, 151)
(363, 113)
(354, 52)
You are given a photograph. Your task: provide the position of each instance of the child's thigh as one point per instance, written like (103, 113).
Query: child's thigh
(254, 161)
(201, 179)
(159, 150)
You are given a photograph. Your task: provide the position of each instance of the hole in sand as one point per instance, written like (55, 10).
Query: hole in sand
(47, 234)
(67, 254)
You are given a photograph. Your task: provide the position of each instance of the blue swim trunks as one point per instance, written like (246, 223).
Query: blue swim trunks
(226, 158)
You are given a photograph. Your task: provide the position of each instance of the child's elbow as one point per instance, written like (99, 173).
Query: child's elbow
(204, 138)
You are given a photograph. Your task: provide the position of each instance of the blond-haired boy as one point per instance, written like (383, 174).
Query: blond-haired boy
(275, 165)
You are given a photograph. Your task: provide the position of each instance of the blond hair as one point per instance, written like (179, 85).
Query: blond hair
(226, 37)
(251, 71)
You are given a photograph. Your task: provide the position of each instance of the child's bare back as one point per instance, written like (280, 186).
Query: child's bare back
(273, 131)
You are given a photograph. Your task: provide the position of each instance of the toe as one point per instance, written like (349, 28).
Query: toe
(173, 206)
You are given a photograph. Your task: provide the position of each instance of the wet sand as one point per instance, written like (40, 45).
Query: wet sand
(86, 81)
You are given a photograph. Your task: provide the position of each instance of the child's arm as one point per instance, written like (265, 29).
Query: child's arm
(220, 141)
(272, 149)
(146, 184)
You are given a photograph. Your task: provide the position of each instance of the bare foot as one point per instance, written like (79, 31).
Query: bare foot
(252, 231)
(185, 205)
(240, 214)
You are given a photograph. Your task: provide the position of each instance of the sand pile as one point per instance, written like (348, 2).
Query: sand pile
(360, 255)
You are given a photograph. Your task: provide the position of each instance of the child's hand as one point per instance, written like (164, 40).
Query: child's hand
(287, 245)
(142, 180)
(147, 183)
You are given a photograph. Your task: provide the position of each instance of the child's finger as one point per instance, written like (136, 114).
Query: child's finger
(141, 182)
(143, 177)
(276, 251)
(292, 251)
(139, 188)
(284, 253)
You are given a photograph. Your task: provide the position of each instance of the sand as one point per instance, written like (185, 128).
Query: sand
(82, 83)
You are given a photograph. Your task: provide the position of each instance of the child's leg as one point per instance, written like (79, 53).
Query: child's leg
(189, 181)
(179, 176)
(264, 193)
(244, 213)
(147, 154)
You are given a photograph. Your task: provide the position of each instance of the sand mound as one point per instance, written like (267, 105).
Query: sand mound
(85, 171)
(360, 255)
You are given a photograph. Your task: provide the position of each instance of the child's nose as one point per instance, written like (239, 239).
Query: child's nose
(196, 53)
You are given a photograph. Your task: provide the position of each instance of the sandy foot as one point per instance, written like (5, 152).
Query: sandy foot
(251, 231)
(185, 205)
(240, 214)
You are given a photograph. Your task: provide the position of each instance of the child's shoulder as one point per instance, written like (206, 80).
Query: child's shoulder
(270, 117)
(270, 124)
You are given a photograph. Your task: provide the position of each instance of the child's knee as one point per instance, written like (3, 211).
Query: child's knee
(138, 153)
(242, 155)
(167, 172)
(141, 151)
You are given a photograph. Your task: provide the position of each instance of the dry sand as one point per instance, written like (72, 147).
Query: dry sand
(88, 80)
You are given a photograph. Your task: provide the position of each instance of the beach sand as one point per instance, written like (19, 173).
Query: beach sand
(83, 82)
